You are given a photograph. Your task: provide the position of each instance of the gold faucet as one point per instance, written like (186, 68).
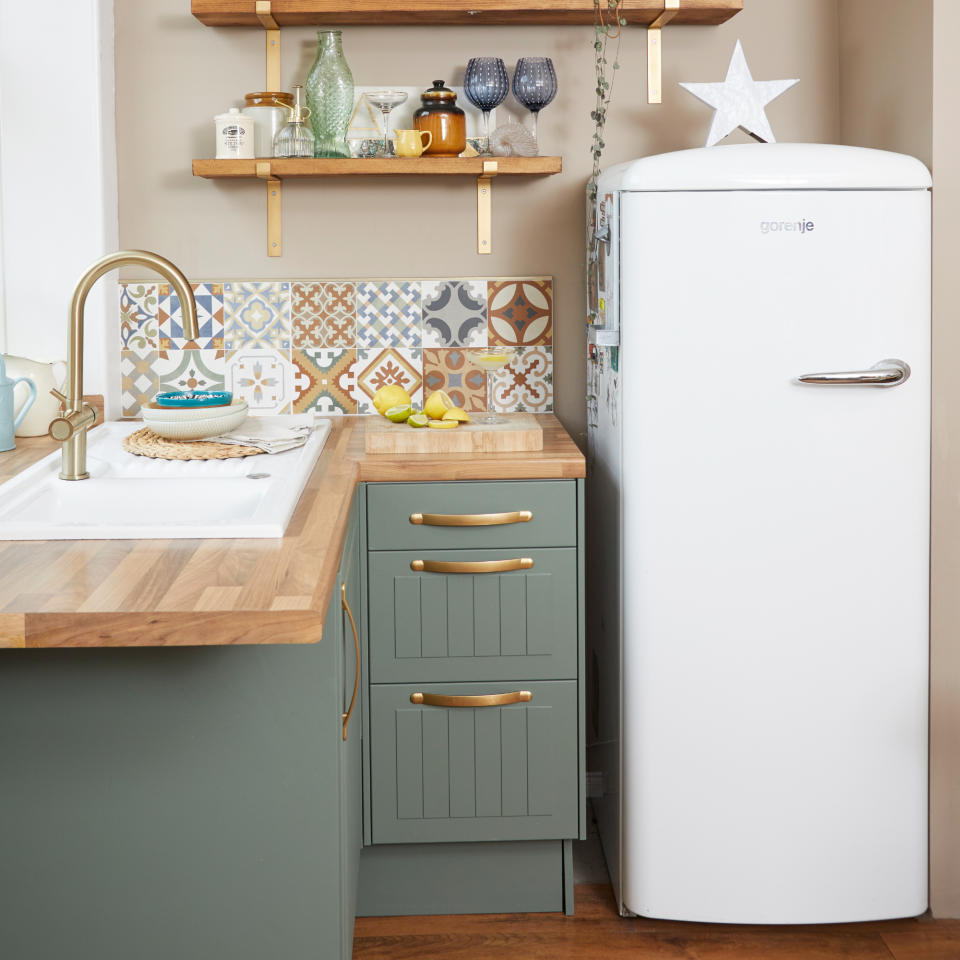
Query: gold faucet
(71, 427)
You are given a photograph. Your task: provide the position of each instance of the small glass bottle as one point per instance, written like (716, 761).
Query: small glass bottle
(295, 138)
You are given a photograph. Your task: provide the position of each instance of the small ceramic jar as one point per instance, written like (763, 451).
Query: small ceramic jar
(270, 110)
(445, 121)
(235, 135)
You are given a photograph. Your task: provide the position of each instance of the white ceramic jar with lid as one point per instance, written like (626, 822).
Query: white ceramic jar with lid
(235, 135)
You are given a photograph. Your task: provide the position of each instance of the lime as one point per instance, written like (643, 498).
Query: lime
(442, 424)
(399, 413)
(417, 420)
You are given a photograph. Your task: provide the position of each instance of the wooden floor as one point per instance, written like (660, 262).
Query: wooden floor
(597, 932)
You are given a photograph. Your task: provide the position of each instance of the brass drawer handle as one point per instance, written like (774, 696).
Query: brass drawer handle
(471, 519)
(487, 700)
(471, 566)
(356, 645)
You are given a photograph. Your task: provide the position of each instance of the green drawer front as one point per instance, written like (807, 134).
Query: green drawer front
(474, 773)
(473, 626)
(553, 504)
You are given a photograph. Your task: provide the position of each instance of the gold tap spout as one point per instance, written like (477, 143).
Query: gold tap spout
(70, 429)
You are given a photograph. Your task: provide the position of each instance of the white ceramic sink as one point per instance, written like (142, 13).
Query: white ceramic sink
(132, 497)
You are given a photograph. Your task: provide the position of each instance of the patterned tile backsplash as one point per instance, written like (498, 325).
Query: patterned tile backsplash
(329, 345)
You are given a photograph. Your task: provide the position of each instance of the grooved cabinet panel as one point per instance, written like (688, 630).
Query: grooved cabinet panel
(473, 626)
(553, 504)
(474, 773)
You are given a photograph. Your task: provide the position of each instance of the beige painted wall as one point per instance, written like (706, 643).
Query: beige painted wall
(886, 75)
(173, 75)
(899, 81)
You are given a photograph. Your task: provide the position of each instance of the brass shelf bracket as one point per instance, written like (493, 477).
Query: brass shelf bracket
(655, 51)
(274, 209)
(272, 28)
(484, 206)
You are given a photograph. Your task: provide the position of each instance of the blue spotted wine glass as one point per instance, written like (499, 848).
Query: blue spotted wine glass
(535, 85)
(486, 85)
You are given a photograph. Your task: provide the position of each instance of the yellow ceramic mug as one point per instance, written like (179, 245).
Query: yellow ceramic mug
(409, 143)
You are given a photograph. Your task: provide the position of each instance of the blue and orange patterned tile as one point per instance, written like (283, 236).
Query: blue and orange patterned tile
(209, 299)
(138, 381)
(454, 313)
(257, 315)
(190, 370)
(263, 377)
(388, 314)
(325, 380)
(450, 370)
(138, 317)
(377, 367)
(526, 383)
(520, 312)
(324, 314)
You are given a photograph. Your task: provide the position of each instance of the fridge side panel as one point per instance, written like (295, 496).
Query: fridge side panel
(776, 556)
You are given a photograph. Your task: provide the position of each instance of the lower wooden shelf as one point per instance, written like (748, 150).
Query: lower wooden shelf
(395, 166)
(274, 170)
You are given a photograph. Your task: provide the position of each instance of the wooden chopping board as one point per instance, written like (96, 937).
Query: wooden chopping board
(521, 432)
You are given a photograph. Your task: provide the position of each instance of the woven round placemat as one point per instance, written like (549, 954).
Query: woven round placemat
(146, 443)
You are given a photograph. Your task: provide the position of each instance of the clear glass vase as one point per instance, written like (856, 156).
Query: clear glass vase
(330, 96)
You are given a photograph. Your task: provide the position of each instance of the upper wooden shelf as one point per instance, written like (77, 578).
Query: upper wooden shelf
(396, 166)
(289, 13)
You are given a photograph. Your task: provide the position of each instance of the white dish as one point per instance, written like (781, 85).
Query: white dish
(195, 423)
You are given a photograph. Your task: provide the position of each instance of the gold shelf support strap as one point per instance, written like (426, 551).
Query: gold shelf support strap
(655, 51)
(274, 209)
(265, 16)
(484, 207)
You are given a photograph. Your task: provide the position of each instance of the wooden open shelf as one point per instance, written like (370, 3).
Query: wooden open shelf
(242, 13)
(396, 166)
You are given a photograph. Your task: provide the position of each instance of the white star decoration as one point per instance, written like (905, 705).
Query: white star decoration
(739, 101)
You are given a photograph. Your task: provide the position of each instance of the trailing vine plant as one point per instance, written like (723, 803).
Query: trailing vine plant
(607, 25)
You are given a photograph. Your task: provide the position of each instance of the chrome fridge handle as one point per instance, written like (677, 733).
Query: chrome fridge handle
(886, 373)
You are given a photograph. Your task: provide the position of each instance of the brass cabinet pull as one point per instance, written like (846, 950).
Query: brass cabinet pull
(471, 566)
(471, 519)
(487, 700)
(356, 644)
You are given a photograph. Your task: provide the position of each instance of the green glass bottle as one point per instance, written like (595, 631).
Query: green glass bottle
(330, 96)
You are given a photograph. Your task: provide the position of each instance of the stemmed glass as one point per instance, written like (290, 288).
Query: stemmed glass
(490, 359)
(385, 101)
(535, 85)
(486, 85)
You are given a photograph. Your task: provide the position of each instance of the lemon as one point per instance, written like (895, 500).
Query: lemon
(417, 420)
(399, 413)
(458, 414)
(438, 403)
(442, 424)
(391, 395)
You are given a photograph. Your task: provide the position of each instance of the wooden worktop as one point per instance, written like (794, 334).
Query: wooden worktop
(120, 593)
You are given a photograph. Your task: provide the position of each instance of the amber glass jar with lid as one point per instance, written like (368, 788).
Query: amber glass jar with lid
(444, 119)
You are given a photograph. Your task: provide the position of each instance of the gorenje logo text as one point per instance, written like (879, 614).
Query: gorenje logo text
(786, 226)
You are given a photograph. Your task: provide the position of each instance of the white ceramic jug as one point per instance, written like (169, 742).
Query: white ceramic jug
(46, 376)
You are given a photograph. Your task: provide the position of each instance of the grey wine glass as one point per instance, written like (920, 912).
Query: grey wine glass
(535, 86)
(486, 85)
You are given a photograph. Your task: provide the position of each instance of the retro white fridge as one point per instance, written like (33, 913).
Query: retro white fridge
(758, 533)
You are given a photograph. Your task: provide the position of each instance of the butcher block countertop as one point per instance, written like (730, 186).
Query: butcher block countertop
(133, 593)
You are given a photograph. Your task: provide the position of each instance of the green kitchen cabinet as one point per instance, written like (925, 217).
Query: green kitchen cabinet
(456, 626)
(454, 773)
(197, 803)
(475, 590)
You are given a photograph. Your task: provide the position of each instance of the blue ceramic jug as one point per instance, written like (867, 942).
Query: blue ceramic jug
(8, 424)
